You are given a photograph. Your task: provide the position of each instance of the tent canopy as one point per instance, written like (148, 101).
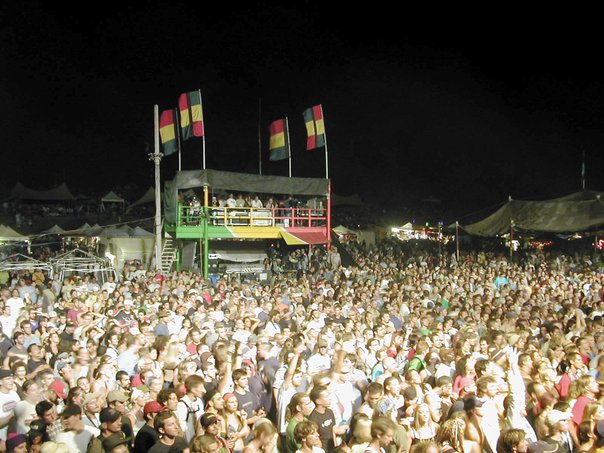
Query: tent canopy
(148, 197)
(575, 212)
(60, 193)
(240, 182)
(7, 234)
(112, 197)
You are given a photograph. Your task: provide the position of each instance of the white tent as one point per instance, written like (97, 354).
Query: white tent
(341, 229)
(55, 229)
(112, 197)
(148, 197)
(7, 234)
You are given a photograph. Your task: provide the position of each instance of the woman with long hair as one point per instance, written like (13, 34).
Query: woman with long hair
(236, 426)
(423, 429)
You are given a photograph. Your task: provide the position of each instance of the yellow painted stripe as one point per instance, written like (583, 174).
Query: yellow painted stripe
(251, 232)
(290, 239)
(277, 141)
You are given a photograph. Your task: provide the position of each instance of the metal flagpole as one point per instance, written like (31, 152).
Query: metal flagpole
(583, 171)
(259, 136)
(457, 240)
(511, 239)
(325, 138)
(176, 113)
(156, 158)
(289, 150)
(204, 130)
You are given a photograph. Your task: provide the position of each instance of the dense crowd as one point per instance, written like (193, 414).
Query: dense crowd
(402, 352)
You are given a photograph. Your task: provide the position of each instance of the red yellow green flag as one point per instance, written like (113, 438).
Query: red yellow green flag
(191, 115)
(315, 127)
(279, 140)
(167, 132)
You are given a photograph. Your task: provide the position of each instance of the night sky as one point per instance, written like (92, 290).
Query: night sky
(452, 105)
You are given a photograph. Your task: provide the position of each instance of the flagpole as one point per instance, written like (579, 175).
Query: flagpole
(583, 171)
(289, 150)
(325, 138)
(203, 141)
(178, 138)
(259, 136)
(156, 158)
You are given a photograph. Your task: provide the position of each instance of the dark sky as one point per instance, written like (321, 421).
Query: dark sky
(465, 106)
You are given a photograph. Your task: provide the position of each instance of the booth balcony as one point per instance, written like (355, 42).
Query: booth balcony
(297, 226)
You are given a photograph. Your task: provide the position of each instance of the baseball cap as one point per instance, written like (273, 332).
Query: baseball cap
(90, 397)
(115, 439)
(116, 395)
(72, 409)
(59, 388)
(208, 419)
(554, 416)
(153, 407)
(4, 373)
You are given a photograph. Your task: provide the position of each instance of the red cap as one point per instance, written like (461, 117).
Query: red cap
(59, 388)
(153, 407)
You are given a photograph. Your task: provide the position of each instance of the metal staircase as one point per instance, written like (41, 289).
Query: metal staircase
(168, 255)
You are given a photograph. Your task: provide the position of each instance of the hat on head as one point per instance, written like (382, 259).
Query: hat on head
(138, 392)
(116, 395)
(14, 440)
(472, 403)
(4, 373)
(554, 416)
(90, 397)
(109, 415)
(59, 388)
(115, 439)
(72, 409)
(208, 419)
(153, 407)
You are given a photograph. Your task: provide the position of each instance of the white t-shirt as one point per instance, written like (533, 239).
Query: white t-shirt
(78, 441)
(8, 401)
(25, 412)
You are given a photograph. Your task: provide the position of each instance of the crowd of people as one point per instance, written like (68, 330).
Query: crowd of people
(402, 352)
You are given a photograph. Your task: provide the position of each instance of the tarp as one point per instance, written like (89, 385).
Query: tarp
(240, 182)
(303, 237)
(241, 256)
(127, 249)
(341, 229)
(7, 234)
(112, 197)
(139, 232)
(60, 193)
(575, 212)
